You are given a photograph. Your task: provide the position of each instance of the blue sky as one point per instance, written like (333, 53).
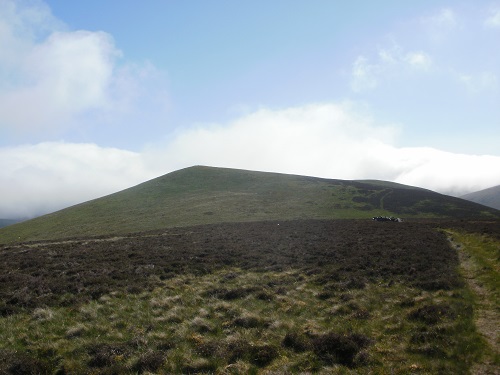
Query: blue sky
(98, 96)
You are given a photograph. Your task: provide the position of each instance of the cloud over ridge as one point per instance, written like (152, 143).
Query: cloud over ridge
(333, 141)
(329, 140)
(37, 179)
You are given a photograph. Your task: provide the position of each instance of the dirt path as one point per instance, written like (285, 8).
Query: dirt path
(487, 314)
(382, 199)
(85, 241)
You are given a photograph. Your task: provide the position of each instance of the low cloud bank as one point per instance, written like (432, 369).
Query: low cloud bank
(331, 141)
(323, 140)
(37, 179)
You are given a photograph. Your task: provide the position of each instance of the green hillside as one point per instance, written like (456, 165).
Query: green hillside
(489, 197)
(203, 195)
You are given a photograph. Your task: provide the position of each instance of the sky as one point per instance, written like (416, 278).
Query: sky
(98, 96)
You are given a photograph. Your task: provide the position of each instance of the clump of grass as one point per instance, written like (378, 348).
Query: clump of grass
(250, 320)
(236, 347)
(42, 314)
(202, 325)
(14, 362)
(262, 354)
(175, 315)
(76, 331)
(165, 302)
(297, 341)
(106, 355)
(197, 366)
(150, 361)
(332, 347)
(431, 314)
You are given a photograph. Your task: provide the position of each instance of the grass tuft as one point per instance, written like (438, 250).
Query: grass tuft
(339, 348)
(263, 354)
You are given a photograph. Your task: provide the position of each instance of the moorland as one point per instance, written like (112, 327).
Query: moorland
(265, 295)
(208, 195)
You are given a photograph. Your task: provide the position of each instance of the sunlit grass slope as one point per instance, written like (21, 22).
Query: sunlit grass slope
(203, 195)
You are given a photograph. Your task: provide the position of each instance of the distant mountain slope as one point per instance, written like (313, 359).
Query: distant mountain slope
(7, 222)
(203, 195)
(488, 197)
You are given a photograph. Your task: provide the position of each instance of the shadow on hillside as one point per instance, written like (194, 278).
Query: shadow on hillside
(341, 254)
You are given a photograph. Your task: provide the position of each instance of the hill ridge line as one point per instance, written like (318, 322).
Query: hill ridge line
(209, 195)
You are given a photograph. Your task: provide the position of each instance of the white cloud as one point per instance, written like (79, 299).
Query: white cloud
(392, 62)
(41, 178)
(493, 20)
(445, 19)
(476, 83)
(364, 75)
(66, 74)
(418, 60)
(324, 140)
(50, 78)
(441, 24)
(22, 24)
(331, 141)
(446, 172)
(311, 138)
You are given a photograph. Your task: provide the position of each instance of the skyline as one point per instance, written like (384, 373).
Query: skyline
(97, 97)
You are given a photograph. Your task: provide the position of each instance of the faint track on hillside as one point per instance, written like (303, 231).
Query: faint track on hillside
(389, 192)
(85, 241)
(487, 313)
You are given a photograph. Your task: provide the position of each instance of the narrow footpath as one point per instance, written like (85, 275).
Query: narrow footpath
(480, 268)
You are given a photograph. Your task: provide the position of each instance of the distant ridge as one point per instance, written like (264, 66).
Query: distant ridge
(204, 195)
(7, 222)
(488, 197)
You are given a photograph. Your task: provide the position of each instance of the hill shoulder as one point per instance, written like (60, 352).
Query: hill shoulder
(7, 222)
(489, 197)
(206, 195)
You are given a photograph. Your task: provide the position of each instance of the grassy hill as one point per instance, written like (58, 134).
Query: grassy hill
(205, 195)
(489, 197)
(250, 295)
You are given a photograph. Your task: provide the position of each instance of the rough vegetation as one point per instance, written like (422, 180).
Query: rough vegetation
(340, 254)
(479, 255)
(203, 195)
(348, 296)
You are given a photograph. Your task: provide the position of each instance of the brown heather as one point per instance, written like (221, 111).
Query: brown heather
(311, 296)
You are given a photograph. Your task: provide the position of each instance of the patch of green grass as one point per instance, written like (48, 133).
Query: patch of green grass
(480, 266)
(237, 321)
(485, 252)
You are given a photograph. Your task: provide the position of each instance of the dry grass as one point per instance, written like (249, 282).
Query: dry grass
(301, 297)
(183, 326)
